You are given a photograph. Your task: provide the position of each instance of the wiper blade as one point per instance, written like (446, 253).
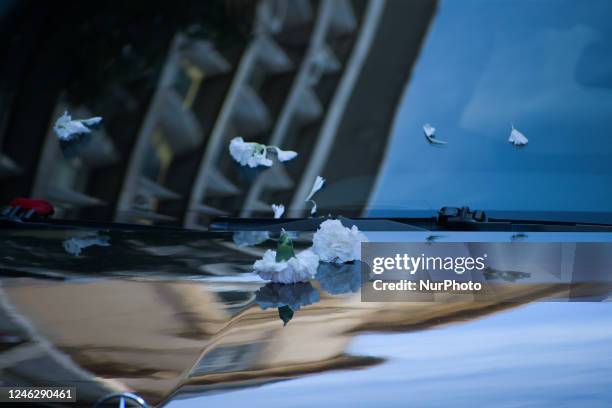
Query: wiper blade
(311, 224)
(446, 219)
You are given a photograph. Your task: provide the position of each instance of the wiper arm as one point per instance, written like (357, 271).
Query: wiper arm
(463, 219)
(463, 215)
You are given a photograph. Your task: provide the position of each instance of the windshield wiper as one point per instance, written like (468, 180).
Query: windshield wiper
(311, 224)
(463, 219)
(446, 219)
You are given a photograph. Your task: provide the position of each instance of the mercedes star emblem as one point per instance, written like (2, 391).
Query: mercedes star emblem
(122, 400)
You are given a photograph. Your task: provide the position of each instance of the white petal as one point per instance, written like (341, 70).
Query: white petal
(92, 121)
(517, 138)
(75, 245)
(237, 143)
(279, 210)
(306, 262)
(284, 155)
(430, 134)
(429, 130)
(313, 210)
(318, 184)
(66, 129)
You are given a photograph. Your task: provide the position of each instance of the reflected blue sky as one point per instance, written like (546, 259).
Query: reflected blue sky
(543, 354)
(544, 66)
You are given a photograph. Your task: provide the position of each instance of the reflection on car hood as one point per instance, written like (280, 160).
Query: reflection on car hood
(155, 252)
(179, 316)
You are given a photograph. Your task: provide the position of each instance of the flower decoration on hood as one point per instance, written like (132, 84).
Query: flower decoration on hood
(287, 298)
(318, 184)
(254, 154)
(517, 138)
(279, 210)
(284, 266)
(334, 242)
(67, 129)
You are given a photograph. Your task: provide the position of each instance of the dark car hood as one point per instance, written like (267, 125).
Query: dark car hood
(179, 318)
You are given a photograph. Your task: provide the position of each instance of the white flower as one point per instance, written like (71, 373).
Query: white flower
(279, 210)
(249, 153)
(517, 138)
(66, 129)
(318, 184)
(284, 155)
(299, 268)
(256, 154)
(333, 242)
(430, 134)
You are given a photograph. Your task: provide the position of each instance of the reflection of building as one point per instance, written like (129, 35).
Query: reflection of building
(313, 77)
(27, 358)
(209, 336)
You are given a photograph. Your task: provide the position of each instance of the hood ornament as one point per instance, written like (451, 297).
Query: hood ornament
(121, 400)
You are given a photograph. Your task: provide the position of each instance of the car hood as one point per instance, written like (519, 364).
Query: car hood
(179, 318)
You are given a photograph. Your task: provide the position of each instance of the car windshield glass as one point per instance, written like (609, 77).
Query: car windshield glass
(544, 67)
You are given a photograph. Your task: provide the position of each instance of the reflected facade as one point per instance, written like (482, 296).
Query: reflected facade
(302, 75)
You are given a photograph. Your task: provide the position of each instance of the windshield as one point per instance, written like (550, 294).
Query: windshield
(348, 86)
(544, 67)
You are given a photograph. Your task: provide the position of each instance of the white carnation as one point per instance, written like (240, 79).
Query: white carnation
(249, 153)
(333, 242)
(299, 268)
(256, 154)
(66, 129)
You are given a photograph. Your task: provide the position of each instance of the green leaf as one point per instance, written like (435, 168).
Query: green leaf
(286, 314)
(284, 249)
